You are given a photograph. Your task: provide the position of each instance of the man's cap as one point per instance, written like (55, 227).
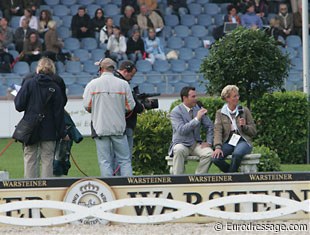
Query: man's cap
(106, 63)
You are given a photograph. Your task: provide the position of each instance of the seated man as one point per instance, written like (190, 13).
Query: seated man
(186, 119)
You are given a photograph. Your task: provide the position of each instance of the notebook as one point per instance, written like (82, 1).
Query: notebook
(229, 27)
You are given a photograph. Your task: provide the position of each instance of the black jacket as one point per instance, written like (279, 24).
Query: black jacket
(131, 117)
(31, 98)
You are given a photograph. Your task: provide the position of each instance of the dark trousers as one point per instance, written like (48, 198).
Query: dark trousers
(237, 153)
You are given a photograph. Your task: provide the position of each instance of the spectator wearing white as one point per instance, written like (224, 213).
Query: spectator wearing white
(106, 32)
(117, 45)
(153, 47)
(33, 20)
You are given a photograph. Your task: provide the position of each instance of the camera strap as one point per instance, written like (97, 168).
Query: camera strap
(129, 114)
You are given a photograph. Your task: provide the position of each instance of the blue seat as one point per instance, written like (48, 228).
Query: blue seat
(175, 42)
(97, 54)
(85, 2)
(166, 32)
(154, 77)
(13, 78)
(33, 66)
(200, 88)
(165, 88)
(58, 20)
(194, 8)
(201, 53)
(204, 19)
(89, 43)
(179, 85)
(68, 2)
(14, 53)
(73, 67)
(60, 10)
(192, 42)
(103, 2)
(223, 8)
(178, 66)
(188, 20)
(66, 21)
(293, 41)
(181, 31)
(143, 66)
(63, 32)
(82, 54)
(147, 88)
(194, 65)
(161, 66)
(83, 78)
(189, 77)
(21, 68)
(296, 64)
(117, 19)
(211, 8)
(111, 10)
(139, 78)
(68, 78)
(75, 90)
(91, 9)
(71, 44)
(118, 2)
(90, 67)
(185, 53)
(74, 9)
(14, 22)
(52, 2)
(292, 53)
(60, 67)
(202, 1)
(3, 90)
(199, 31)
(219, 19)
(171, 20)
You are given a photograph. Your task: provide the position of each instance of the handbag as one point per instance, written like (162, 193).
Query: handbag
(28, 132)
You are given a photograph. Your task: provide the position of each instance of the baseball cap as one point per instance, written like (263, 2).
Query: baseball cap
(106, 63)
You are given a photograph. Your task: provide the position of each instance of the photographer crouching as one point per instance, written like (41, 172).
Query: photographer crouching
(126, 72)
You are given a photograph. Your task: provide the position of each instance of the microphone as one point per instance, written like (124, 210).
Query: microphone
(240, 110)
(199, 104)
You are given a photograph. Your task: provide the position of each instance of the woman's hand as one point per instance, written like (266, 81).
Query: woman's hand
(217, 153)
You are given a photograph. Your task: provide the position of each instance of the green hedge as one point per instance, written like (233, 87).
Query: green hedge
(269, 160)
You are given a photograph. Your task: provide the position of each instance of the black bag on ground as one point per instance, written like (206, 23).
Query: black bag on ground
(27, 132)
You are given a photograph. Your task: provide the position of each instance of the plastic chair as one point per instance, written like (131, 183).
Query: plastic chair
(68, 78)
(83, 78)
(63, 32)
(74, 9)
(90, 67)
(60, 67)
(204, 20)
(154, 77)
(211, 8)
(293, 41)
(82, 54)
(71, 44)
(161, 66)
(166, 32)
(138, 79)
(89, 43)
(201, 53)
(3, 90)
(97, 54)
(14, 22)
(68, 2)
(188, 20)
(165, 88)
(117, 19)
(33, 66)
(73, 67)
(21, 68)
(171, 20)
(179, 85)
(181, 31)
(85, 2)
(75, 90)
(66, 21)
(296, 64)
(175, 42)
(185, 53)
(103, 2)
(52, 2)
(178, 66)
(199, 31)
(193, 42)
(202, 1)
(111, 10)
(194, 65)
(91, 9)
(194, 8)
(143, 66)
(189, 77)
(14, 53)
(147, 88)
(292, 53)
(219, 19)
(60, 10)
(223, 8)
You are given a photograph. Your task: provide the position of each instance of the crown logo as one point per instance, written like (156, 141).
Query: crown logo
(89, 188)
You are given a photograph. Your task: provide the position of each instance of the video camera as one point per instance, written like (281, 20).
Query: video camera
(143, 98)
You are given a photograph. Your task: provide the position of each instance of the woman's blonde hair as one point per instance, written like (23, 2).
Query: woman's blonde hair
(46, 66)
(227, 91)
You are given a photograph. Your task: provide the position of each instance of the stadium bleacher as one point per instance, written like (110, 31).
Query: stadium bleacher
(184, 34)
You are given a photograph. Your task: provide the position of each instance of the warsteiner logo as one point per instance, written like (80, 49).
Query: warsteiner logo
(89, 193)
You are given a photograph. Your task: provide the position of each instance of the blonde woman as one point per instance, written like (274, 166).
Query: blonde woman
(234, 129)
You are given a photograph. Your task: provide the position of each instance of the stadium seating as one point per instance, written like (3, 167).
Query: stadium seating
(175, 42)
(90, 67)
(171, 20)
(21, 68)
(97, 54)
(52, 2)
(185, 53)
(199, 31)
(60, 10)
(211, 8)
(143, 66)
(181, 31)
(111, 10)
(193, 42)
(82, 54)
(178, 66)
(73, 67)
(68, 2)
(188, 20)
(89, 43)
(71, 44)
(161, 66)
(63, 32)
(75, 90)
(204, 20)
(194, 8)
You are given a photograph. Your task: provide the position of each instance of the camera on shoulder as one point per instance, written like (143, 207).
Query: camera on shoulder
(143, 98)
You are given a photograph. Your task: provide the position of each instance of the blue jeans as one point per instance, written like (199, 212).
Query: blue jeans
(110, 147)
(237, 153)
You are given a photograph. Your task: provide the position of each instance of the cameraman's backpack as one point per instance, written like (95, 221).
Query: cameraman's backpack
(6, 60)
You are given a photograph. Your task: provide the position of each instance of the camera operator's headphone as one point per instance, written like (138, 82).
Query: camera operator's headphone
(130, 67)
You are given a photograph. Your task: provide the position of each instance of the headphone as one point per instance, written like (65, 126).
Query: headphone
(130, 67)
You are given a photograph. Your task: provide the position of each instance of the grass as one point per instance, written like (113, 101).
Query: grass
(85, 156)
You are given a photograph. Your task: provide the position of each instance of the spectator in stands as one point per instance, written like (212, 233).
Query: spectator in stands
(261, 9)
(12, 8)
(97, 22)
(135, 47)
(44, 18)
(117, 45)
(232, 15)
(241, 5)
(106, 32)
(153, 47)
(33, 20)
(128, 21)
(150, 4)
(295, 4)
(6, 61)
(21, 33)
(80, 24)
(250, 20)
(297, 16)
(233, 131)
(6, 34)
(149, 19)
(132, 3)
(177, 7)
(34, 5)
(274, 30)
(32, 50)
(187, 119)
(286, 21)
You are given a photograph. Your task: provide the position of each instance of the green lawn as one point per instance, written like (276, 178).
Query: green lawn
(85, 156)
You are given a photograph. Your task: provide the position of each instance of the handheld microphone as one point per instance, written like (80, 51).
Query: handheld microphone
(199, 104)
(240, 111)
